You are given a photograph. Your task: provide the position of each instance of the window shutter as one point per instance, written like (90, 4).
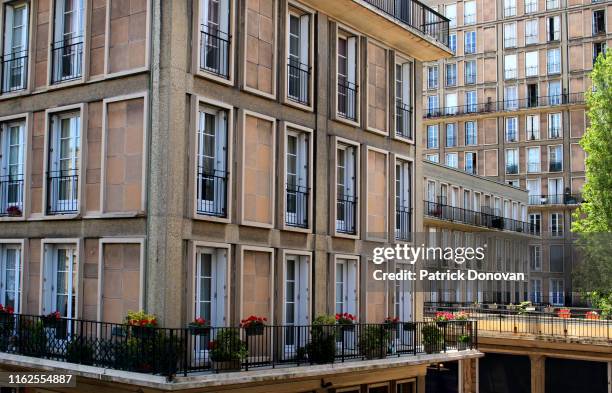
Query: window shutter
(351, 286)
(8, 30)
(221, 141)
(224, 15)
(351, 44)
(304, 290)
(219, 317)
(305, 39)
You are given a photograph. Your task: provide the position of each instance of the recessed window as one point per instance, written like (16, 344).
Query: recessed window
(511, 97)
(510, 35)
(470, 72)
(297, 176)
(67, 45)
(347, 77)
(452, 160)
(12, 137)
(531, 63)
(555, 159)
(469, 12)
(64, 162)
(599, 22)
(346, 183)
(451, 13)
(511, 129)
(531, 6)
(554, 125)
(510, 67)
(471, 133)
(553, 61)
(403, 205)
(533, 159)
(215, 37)
(509, 8)
(533, 127)
(403, 100)
(512, 161)
(432, 136)
(531, 32)
(470, 162)
(10, 276)
(470, 42)
(298, 64)
(553, 28)
(14, 59)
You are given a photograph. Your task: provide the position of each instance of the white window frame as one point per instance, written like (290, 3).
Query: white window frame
(450, 104)
(531, 32)
(352, 74)
(452, 160)
(450, 11)
(535, 258)
(469, 66)
(213, 33)
(16, 267)
(555, 119)
(510, 39)
(403, 195)
(557, 291)
(53, 198)
(509, 8)
(514, 161)
(348, 184)
(300, 187)
(299, 302)
(511, 100)
(474, 160)
(432, 136)
(469, 12)
(474, 132)
(556, 28)
(532, 127)
(556, 224)
(346, 285)
(50, 275)
(557, 149)
(511, 129)
(299, 62)
(473, 48)
(510, 66)
(535, 290)
(531, 6)
(453, 141)
(65, 38)
(531, 63)
(553, 61)
(432, 77)
(432, 109)
(452, 42)
(9, 177)
(533, 166)
(403, 98)
(432, 158)
(15, 48)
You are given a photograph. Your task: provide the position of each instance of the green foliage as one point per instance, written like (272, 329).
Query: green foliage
(432, 335)
(602, 301)
(32, 338)
(228, 346)
(322, 347)
(80, 351)
(324, 320)
(373, 341)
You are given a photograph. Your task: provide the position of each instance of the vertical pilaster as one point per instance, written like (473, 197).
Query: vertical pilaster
(538, 373)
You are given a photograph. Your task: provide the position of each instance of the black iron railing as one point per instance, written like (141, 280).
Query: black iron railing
(212, 192)
(63, 192)
(476, 218)
(11, 195)
(169, 352)
(512, 169)
(496, 106)
(67, 60)
(14, 71)
(346, 211)
(403, 120)
(214, 51)
(296, 214)
(403, 222)
(555, 166)
(347, 100)
(298, 82)
(556, 199)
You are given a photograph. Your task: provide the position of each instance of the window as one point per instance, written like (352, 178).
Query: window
(347, 77)
(510, 35)
(557, 294)
(509, 8)
(553, 28)
(533, 159)
(471, 133)
(432, 157)
(556, 224)
(215, 37)
(470, 42)
(67, 45)
(210, 287)
(346, 205)
(469, 12)
(598, 48)
(432, 136)
(470, 72)
(451, 13)
(12, 135)
(432, 77)
(451, 74)
(403, 93)
(432, 105)
(553, 61)
(599, 22)
(556, 258)
(552, 4)
(554, 125)
(534, 223)
(511, 129)
(10, 276)
(346, 286)
(531, 31)
(297, 293)
(212, 157)
(535, 294)
(511, 161)
(451, 135)
(533, 127)
(555, 191)
(63, 169)
(510, 67)
(296, 168)
(531, 6)
(555, 158)
(532, 95)
(531, 64)
(298, 65)
(534, 191)
(511, 97)
(554, 92)
(14, 59)
(470, 162)
(403, 205)
(452, 42)
(60, 275)
(451, 104)
(452, 160)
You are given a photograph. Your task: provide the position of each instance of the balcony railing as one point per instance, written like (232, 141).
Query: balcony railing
(533, 167)
(497, 106)
(63, 192)
(347, 100)
(403, 121)
(212, 192)
(14, 71)
(296, 214)
(512, 169)
(67, 60)
(214, 51)
(11, 195)
(555, 166)
(556, 199)
(475, 218)
(403, 227)
(346, 211)
(169, 352)
(298, 82)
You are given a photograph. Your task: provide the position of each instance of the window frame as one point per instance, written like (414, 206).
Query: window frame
(347, 34)
(295, 129)
(342, 143)
(300, 11)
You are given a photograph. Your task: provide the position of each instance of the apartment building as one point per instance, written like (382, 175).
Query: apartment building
(510, 105)
(211, 159)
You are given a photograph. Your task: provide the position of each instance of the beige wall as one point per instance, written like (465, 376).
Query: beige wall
(377, 194)
(94, 159)
(376, 295)
(256, 281)
(43, 16)
(32, 263)
(98, 38)
(37, 163)
(260, 45)
(89, 268)
(128, 27)
(121, 280)
(377, 87)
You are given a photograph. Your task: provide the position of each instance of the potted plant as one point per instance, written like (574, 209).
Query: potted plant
(13, 211)
(442, 317)
(227, 350)
(390, 323)
(564, 313)
(199, 326)
(253, 325)
(6, 315)
(373, 341)
(461, 317)
(463, 341)
(141, 324)
(322, 346)
(346, 321)
(80, 351)
(525, 307)
(6, 326)
(432, 338)
(592, 315)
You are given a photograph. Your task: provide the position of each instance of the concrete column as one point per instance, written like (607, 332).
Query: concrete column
(538, 373)
(420, 384)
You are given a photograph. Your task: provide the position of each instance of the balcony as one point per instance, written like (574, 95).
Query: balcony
(475, 218)
(63, 192)
(211, 191)
(403, 121)
(508, 105)
(13, 72)
(11, 195)
(346, 209)
(67, 60)
(555, 166)
(403, 220)
(297, 206)
(556, 199)
(512, 169)
(298, 82)
(214, 51)
(170, 352)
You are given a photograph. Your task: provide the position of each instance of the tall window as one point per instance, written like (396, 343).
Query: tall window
(14, 59)
(211, 286)
(471, 133)
(452, 160)
(346, 286)
(556, 224)
(510, 67)
(535, 292)
(452, 42)
(531, 63)
(346, 205)
(534, 223)
(432, 77)
(60, 275)
(533, 127)
(557, 293)
(553, 28)
(470, 42)
(511, 161)
(347, 77)
(554, 125)
(403, 205)
(10, 276)
(451, 104)
(531, 31)
(531, 6)
(298, 65)
(553, 61)
(67, 46)
(215, 37)
(509, 8)
(552, 4)
(297, 293)
(599, 22)
(451, 74)
(470, 162)
(297, 167)
(12, 135)
(510, 35)
(432, 105)
(554, 92)
(212, 162)
(555, 158)
(470, 72)
(63, 168)
(471, 101)
(451, 13)
(403, 99)
(555, 190)
(432, 136)
(469, 12)
(598, 48)
(555, 258)
(451, 135)
(511, 97)
(511, 129)
(533, 159)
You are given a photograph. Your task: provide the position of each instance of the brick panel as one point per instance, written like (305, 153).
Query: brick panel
(121, 280)
(377, 194)
(258, 170)
(260, 45)
(377, 87)
(128, 28)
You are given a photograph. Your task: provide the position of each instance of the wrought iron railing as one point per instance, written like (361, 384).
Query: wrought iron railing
(403, 120)
(555, 166)
(346, 212)
(14, 71)
(67, 60)
(296, 214)
(347, 100)
(214, 51)
(556, 199)
(211, 191)
(403, 222)
(298, 82)
(512, 169)
(63, 192)
(11, 195)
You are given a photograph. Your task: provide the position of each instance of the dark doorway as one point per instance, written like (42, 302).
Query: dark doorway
(504, 374)
(443, 378)
(576, 376)
(532, 95)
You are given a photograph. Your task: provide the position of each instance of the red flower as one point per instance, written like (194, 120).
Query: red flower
(252, 321)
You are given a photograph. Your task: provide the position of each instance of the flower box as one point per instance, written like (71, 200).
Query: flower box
(256, 330)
